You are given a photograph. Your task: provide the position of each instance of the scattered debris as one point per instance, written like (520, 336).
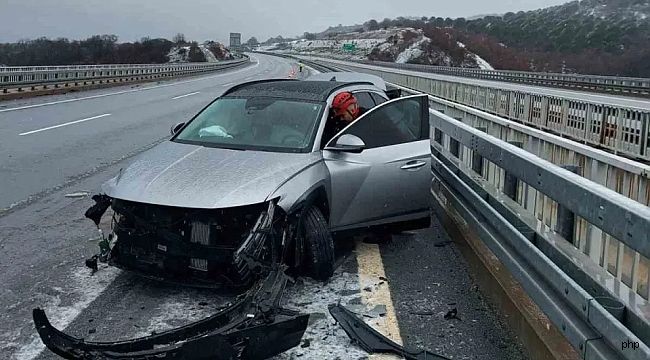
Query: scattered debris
(422, 313)
(452, 314)
(253, 327)
(377, 311)
(305, 343)
(92, 264)
(95, 213)
(78, 195)
(371, 340)
(443, 243)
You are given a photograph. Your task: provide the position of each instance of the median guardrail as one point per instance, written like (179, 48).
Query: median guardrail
(607, 84)
(600, 322)
(633, 86)
(21, 77)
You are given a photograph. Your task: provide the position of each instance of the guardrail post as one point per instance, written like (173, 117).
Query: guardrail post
(477, 159)
(566, 218)
(510, 182)
(454, 147)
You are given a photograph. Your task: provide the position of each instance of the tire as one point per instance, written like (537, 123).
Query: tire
(318, 257)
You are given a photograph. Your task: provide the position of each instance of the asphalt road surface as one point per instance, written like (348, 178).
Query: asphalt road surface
(58, 145)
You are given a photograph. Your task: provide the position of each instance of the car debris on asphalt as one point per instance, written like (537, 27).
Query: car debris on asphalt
(254, 326)
(371, 340)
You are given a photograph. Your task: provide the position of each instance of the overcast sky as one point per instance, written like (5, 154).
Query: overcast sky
(214, 19)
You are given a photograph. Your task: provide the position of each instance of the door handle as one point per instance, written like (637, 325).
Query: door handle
(412, 165)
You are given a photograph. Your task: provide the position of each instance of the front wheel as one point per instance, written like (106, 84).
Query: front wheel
(318, 260)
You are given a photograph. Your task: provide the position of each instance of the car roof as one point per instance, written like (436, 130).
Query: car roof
(290, 89)
(350, 77)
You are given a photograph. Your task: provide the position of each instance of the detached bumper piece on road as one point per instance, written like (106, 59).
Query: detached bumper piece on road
(371, 340)
(254, 327)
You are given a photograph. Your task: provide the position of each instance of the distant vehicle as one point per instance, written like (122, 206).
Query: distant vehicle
(251, 181)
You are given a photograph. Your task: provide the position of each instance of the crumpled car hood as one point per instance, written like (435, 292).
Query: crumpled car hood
(190, 176)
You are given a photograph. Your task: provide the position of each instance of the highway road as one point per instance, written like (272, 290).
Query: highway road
(602, 99)
(57, 145)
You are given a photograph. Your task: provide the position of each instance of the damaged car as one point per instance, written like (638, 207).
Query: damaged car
(249, 190)
(250, 181)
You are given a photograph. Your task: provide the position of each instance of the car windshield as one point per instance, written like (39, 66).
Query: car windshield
(255, 123)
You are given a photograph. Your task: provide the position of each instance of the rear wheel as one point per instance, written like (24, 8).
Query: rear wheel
(318, 260)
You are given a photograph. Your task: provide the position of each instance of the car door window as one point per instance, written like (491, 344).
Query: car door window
(378, 98)
(395, 123)
(365, 101)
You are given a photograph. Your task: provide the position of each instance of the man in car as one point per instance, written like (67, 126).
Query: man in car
(345, 110)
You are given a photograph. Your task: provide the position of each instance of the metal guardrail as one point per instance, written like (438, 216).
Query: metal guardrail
(630, 269)
(609, 84)
(594, 321)
(619, 129)
(580, 243)
(19, 77)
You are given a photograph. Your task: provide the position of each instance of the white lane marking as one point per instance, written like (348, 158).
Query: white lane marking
(186, 95)
(229, 84)
(66, 124)
(127, 91)
(81, 285)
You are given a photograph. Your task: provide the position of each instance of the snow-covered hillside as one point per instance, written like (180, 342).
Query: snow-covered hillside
(179, 54)
(401, 45)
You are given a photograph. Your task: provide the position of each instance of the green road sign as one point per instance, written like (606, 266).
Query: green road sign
(349, 47)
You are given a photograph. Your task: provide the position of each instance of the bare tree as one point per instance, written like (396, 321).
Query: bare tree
(179, 39)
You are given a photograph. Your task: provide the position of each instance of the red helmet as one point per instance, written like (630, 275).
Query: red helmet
(345, 102)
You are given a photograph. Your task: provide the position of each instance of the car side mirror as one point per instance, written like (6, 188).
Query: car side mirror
(176, 128)
(348, 143)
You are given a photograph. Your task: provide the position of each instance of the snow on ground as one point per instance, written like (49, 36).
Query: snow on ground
(324, 338)
(412, 52)
(178, 55)
(65, 304)
(209, 56)
(482, 64)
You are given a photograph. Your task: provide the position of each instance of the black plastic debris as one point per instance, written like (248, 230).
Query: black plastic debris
(91, 263)
(371, 340)
(95, 213)
(253, 327)
(452, 314)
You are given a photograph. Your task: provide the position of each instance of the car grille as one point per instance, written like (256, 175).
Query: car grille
(200, 233)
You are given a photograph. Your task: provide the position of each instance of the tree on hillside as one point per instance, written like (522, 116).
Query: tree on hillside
(372, 25)
(179, 39)
(386, 23)
(309, 36)
(195, 55)
(252, 41)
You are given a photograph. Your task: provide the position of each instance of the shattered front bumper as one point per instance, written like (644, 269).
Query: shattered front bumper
(205, 248)
(253, 327)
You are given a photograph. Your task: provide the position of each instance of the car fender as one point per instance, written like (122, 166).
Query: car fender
(298, 189)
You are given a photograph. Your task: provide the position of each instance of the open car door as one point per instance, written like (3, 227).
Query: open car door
(385, 178)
